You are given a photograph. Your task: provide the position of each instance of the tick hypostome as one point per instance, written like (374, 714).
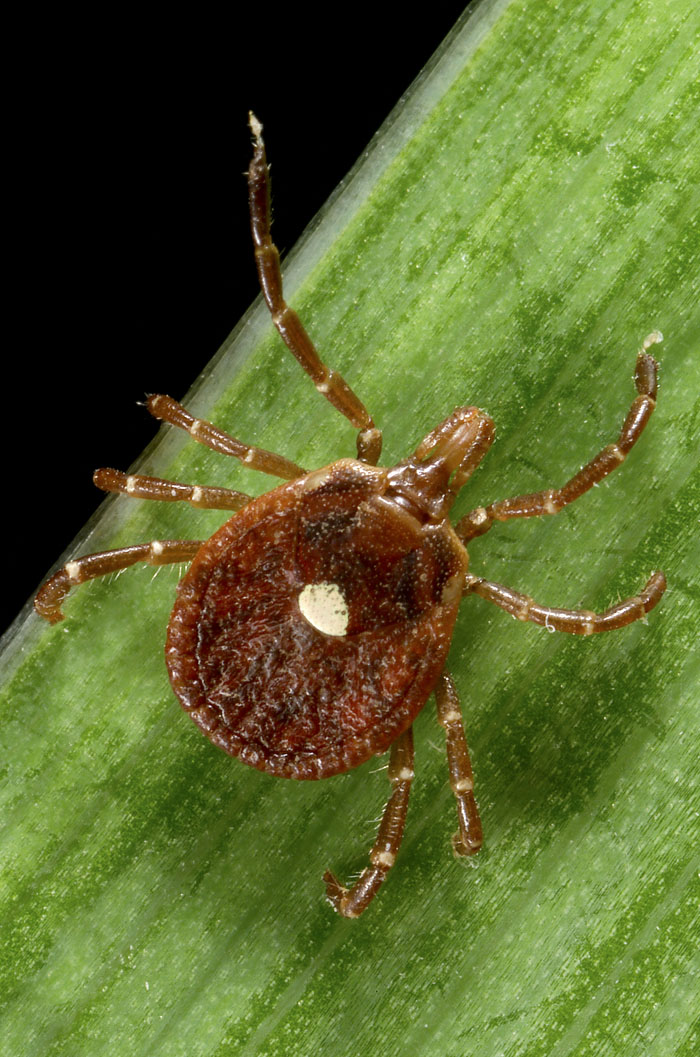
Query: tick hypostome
(312, 627)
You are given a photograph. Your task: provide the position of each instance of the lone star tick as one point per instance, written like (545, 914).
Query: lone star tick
(311, 628)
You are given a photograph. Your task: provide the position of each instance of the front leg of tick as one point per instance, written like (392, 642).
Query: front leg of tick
(552, 500)
(290, 328)
(351, 902)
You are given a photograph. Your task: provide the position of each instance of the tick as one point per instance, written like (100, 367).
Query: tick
(312, 627)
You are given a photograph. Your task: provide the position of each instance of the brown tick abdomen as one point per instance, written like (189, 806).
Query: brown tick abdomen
(260, 679)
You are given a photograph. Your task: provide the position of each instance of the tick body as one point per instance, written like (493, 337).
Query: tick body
(308, 690)
(314, 625)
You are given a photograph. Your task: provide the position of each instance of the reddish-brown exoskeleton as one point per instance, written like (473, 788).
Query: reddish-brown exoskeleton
(312, 627)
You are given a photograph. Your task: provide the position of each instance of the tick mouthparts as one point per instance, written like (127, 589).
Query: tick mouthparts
(427, 483)
(457, 446)
(457, 442)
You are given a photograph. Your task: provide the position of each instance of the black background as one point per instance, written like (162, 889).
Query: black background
(131, 260)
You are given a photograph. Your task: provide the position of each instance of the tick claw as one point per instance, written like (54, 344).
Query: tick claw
(335, 892)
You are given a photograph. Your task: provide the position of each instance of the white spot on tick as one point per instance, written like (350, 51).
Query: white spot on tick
(325, 608)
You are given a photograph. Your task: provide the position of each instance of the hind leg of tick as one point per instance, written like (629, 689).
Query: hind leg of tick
(350, 903)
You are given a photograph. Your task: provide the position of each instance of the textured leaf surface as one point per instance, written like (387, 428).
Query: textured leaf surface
(518, 228)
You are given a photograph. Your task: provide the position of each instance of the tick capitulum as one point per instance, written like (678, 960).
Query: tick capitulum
(312, 627)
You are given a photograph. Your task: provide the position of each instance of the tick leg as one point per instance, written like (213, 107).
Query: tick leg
(574, 621)
(351, 902)
(552, 500)
(166, 409)
(468, 839)
(169, 491)
(159, 552)
(267, 259)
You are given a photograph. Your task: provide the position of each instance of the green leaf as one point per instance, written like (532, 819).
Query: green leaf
(524, 219)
